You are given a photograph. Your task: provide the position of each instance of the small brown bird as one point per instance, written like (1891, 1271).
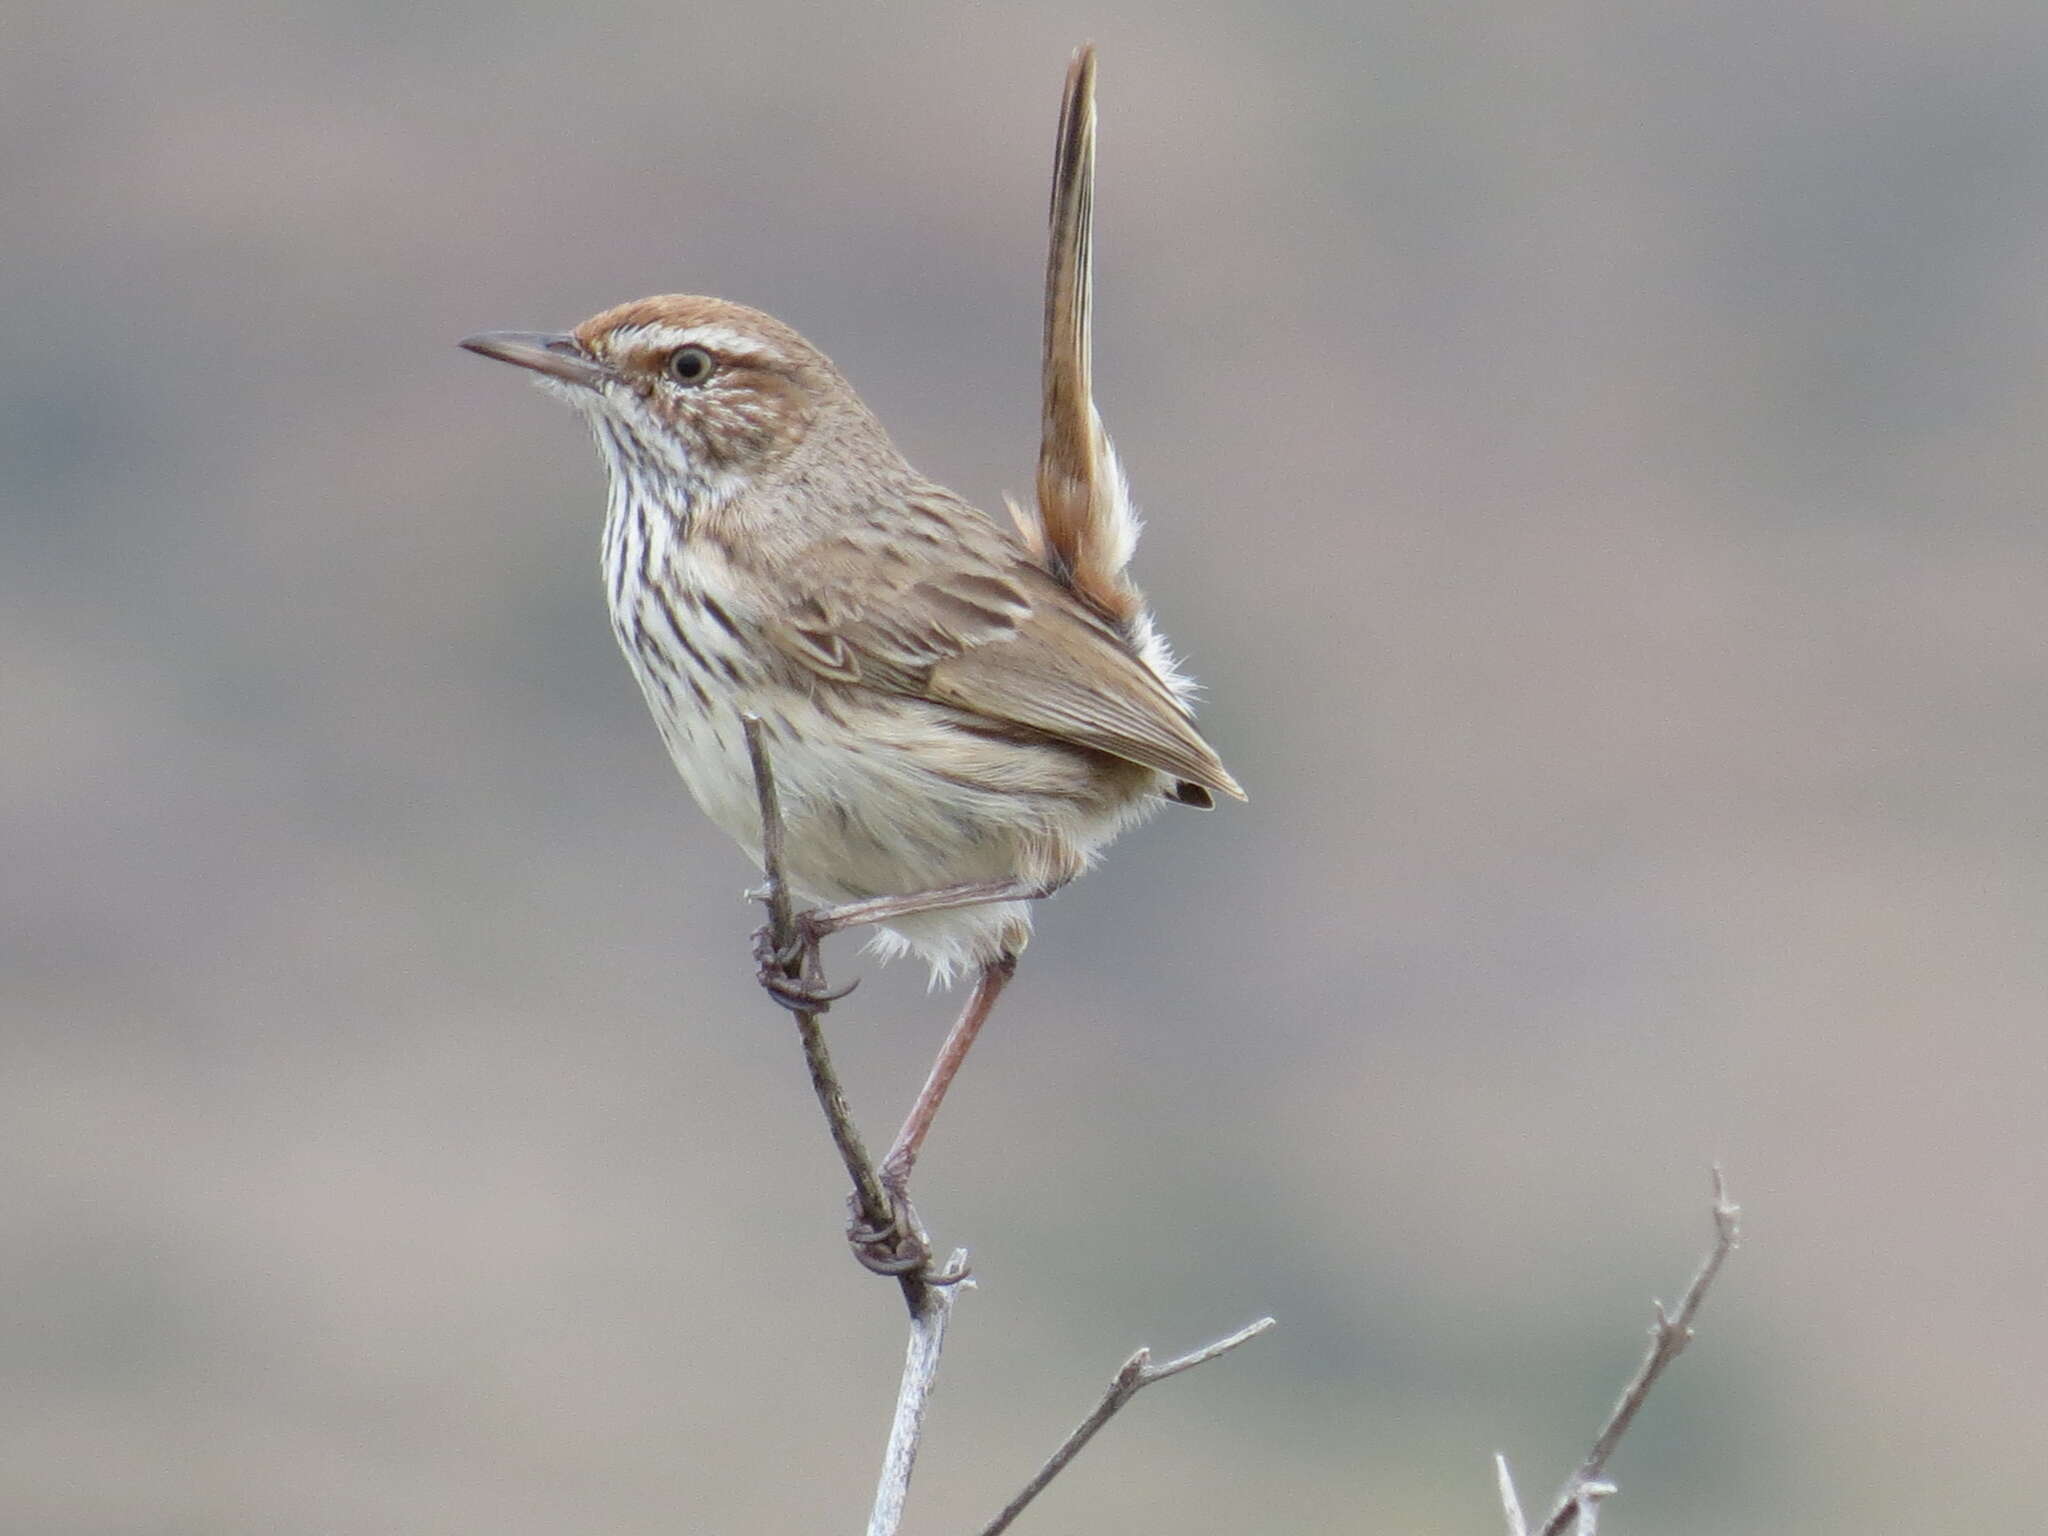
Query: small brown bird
(960, 717)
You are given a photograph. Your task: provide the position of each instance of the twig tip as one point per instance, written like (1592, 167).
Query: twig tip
(1510, 1501)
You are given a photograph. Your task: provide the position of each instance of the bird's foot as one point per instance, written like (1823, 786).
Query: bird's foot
(897, 1247)
(792, 973)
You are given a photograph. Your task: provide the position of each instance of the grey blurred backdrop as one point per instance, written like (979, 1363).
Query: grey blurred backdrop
(1593, 459)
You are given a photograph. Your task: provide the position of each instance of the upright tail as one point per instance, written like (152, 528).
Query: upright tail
(1085, 529)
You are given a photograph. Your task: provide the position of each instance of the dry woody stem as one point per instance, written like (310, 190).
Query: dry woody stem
(873, 1207)
(1137, 1373)
(928, 1295)
(928, 1321)
(1578, 1506)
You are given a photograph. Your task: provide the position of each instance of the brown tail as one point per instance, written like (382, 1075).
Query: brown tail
(1086, 526)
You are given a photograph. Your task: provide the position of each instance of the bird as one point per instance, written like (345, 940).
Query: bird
(961, 715)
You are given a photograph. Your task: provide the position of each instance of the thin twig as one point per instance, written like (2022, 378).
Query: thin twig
(1138, 1373)
(1578, 1505)
(1510, 1502)
(1668, 1337)
(928, 1322)
(873, 1207)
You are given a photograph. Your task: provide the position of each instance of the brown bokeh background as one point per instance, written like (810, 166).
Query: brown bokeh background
(1593, 455)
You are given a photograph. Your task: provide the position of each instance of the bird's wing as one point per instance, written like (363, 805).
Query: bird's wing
(971, 622)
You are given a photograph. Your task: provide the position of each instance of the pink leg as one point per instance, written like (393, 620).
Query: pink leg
(788, 971)
(819, 922)
(988, 986)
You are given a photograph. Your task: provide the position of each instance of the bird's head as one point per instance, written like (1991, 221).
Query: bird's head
(706, 395)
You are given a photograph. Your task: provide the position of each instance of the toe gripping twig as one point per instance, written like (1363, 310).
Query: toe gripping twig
(885, 1232)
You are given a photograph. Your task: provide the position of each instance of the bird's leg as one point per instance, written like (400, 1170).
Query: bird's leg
(988, 986)
(821, 922)
(897, 1246)
(793, 973)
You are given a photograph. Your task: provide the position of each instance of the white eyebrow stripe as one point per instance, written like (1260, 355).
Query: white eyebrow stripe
(721, 339)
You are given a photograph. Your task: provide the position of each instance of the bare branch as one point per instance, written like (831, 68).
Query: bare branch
(1586, 1500)
(1137, 1373)
(928, 1321)
(1510, 1501)
(873, 1208)
(773, 834)
(1587, 1503)
(1578, 1505)
(878, 1217)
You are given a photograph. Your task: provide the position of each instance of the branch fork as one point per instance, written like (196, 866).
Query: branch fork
(885, 1232)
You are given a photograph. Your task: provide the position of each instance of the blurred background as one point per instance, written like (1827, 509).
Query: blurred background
(1593, 458)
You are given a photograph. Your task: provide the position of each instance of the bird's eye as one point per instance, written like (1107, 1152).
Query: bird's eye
(689, 365)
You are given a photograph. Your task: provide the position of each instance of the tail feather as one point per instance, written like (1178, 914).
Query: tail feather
(1087, 528)
(1084, 528)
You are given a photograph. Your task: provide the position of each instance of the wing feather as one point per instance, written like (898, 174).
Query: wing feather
(983, 629)
(1044, 633)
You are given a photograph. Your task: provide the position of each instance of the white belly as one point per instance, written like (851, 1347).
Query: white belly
(880, 795)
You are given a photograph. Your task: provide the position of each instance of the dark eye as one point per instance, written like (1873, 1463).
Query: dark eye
(689, 365)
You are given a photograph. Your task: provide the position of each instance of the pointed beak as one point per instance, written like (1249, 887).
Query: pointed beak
(559, 357)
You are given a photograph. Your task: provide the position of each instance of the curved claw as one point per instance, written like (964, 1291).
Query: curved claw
(894, 1248)
(871, 1237)
(952, 1274)
(892, 1251)
(800, 996)
(893, 1264)
(863, 1234)
(797, 993)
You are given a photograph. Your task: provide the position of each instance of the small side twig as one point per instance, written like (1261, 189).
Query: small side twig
(928, 1322)
(1578, 1505)
(872, 1205)
(1137, 1373)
